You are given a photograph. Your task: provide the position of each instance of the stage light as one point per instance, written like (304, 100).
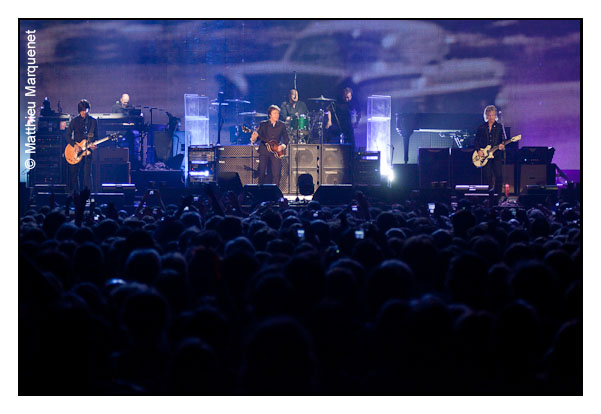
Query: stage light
(390, 176)
(205, 173)
(378, 130)
(197, 120)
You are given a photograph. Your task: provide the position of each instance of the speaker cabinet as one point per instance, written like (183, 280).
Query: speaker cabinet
(305, 155)
(245, 167)
(535, 174)
(463, 171)
(336, 156)
(294, 174)
(111, 155)
(237, 151)
(433, 166)
(285, 176)
(333, 176)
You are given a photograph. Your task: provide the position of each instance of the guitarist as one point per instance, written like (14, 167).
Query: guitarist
(81, 127)
(491, 133)
(271, 129)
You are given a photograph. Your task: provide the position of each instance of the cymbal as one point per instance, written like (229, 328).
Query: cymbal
(237, 101)
(253, 113)
(321, 98)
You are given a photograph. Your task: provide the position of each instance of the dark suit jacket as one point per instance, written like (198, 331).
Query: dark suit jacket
(484, 137)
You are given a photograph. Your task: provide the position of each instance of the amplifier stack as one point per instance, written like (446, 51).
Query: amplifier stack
(50, 143)
(243, 159)
(449, 167)
(201, 164)
(327, 164)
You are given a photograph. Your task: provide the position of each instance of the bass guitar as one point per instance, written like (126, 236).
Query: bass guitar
(272, 145)
(489, 152)
(74, 157)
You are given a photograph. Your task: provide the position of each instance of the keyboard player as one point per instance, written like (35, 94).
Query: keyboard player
(122, 106)
(129, 131)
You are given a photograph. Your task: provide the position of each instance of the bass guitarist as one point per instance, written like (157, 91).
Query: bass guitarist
(491, 133)
(82, 127)
(269, 131)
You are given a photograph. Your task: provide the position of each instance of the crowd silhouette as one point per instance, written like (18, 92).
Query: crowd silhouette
(209, 298)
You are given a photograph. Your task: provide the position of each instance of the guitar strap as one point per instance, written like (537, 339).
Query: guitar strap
(86, 126)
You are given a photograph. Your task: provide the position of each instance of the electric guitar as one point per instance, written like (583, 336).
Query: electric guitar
(489, 152)
(272, 145)
(73, 157)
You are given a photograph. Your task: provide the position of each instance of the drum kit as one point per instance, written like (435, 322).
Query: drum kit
(302, 128)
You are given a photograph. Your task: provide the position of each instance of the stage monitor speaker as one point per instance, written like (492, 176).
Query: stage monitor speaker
(536, 174)
(334, 194)
(229, 181)
(463, 171)
(336, 156)
(336, 176)
(433, 166)
(306, 155)
(259, 193)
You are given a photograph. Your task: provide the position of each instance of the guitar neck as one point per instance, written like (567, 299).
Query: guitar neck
(510, 140)
(100, 141)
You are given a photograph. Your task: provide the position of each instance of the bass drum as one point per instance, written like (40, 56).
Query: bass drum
(300, 123)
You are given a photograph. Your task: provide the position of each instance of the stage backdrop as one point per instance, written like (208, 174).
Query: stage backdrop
(530, 69)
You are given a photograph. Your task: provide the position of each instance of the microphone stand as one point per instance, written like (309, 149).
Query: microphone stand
(149, 137)
(219, 117)
(504, 152)
(296, 161)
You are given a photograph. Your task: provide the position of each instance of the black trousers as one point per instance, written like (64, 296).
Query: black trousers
(80, 174)
(270, 167)
(493, 174)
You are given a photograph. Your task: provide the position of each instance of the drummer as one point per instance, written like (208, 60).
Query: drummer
(293, 107)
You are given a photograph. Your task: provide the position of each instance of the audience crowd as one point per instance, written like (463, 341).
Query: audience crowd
(210, 298)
